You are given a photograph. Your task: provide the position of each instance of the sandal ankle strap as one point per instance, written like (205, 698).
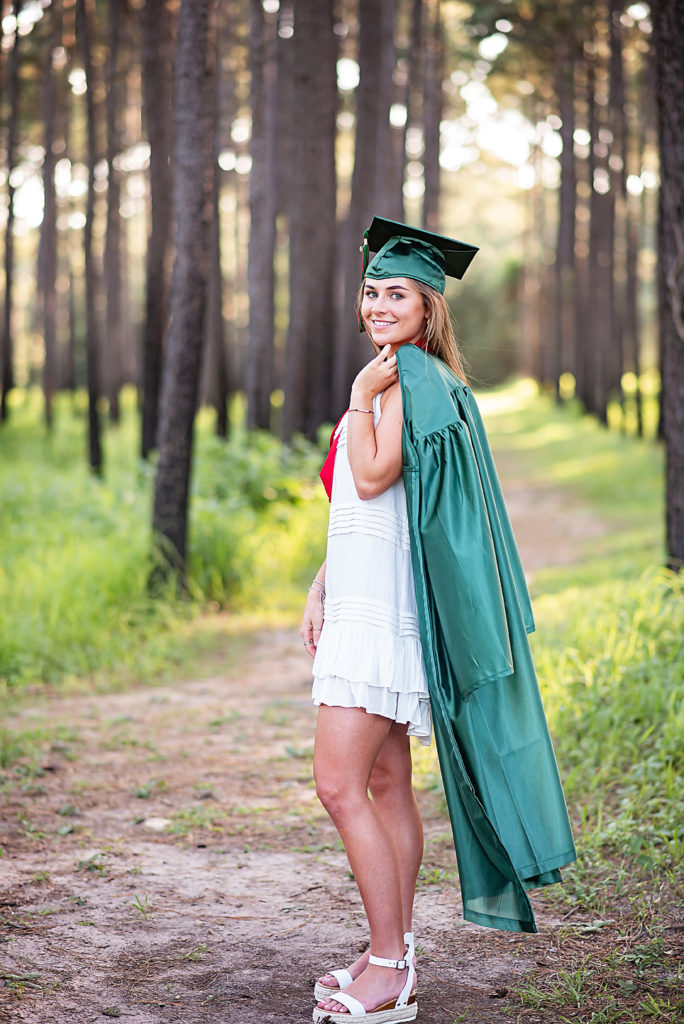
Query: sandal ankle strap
(380, 961)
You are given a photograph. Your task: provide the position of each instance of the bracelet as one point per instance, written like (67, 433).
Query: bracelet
(362, 410)
(317, 585)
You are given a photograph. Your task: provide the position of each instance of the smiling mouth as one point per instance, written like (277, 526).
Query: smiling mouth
(383, 323)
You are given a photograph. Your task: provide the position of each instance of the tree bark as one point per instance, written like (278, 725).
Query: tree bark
(47, 261)
(385, 163)
(216, 336)
(618, 187)
(67, 361)
(7, 342)
(156, 81)
(352, 349)
(193, 147)
(564, 342)
(112, 253)
(308, 357)
(413, 101)
(668, 25)
(600, 291)
(433, 106)
(262, 206)
(91, 276)
(635, 139)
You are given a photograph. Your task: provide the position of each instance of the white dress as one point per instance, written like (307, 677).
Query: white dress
(369, 654)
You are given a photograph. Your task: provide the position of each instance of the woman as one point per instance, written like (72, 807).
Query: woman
(418, 604)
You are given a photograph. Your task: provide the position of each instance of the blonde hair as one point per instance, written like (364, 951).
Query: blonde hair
(440, 337)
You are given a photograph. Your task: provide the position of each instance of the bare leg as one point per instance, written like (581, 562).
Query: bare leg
(348, 742)
(391, 788)
(392, 791)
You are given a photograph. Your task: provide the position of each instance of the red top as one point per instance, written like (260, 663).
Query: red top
(328, 467)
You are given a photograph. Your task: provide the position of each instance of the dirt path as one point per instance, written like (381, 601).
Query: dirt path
(168, 860)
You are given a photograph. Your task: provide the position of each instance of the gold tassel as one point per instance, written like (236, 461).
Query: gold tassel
(365, 254)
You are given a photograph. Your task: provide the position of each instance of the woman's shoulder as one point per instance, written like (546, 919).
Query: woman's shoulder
(392, 394)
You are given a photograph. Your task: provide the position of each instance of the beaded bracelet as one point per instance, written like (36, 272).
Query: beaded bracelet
(362, 410)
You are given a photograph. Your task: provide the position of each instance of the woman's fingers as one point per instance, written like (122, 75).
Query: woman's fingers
(310, 632)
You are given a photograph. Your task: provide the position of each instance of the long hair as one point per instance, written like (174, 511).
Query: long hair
(440, 337)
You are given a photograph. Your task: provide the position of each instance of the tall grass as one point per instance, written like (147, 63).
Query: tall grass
(611, 664)
(75, 552)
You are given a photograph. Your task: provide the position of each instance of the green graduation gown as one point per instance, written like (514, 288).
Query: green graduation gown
(508, 816)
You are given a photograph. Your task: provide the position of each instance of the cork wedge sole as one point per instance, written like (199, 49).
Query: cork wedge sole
(388, 1013)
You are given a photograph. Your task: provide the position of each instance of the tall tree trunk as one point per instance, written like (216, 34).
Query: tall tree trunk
(433, 106)
(113, 254)
(286, 124)
(634, 135)
(308, 361)
(91, 276)
(47, 262)
(618, 188)
(564, 342)
(591, 333)
(156, 81)
(352, 350)
(68, 374)
(385, 164)
(668, 24)
(6, 342)
(193, 147)
(262, 206)
(602, 208)
(413, 101)
(216, 337)
(584, 169)
(530, 277)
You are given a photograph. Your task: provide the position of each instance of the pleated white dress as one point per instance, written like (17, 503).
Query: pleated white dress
(369, 654)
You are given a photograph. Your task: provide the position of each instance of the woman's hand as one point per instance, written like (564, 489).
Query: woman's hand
(314, 613)
(376, 376)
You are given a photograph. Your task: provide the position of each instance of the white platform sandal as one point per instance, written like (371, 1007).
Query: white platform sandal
(404, 1008)
(344, 978)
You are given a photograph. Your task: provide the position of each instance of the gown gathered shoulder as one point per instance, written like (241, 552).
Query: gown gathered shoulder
(369, 654)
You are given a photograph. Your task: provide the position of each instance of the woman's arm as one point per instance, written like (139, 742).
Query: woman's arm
(375, 456)
(314, 611)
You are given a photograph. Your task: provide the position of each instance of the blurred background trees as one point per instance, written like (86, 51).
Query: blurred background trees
(531, 128)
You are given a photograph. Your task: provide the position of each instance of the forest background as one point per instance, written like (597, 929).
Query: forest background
(185, 187)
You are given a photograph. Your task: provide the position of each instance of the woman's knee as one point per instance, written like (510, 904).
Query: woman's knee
(333, 790)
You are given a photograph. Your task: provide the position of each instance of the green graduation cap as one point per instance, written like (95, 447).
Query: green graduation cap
(405, 251)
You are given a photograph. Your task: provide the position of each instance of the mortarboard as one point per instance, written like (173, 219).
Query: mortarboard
(405, 251)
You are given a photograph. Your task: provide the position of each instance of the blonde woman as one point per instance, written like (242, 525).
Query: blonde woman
(419, 611)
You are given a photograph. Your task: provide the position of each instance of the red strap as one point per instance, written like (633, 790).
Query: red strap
(328, 467)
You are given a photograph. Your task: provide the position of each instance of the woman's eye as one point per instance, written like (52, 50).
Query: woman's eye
(396, 295)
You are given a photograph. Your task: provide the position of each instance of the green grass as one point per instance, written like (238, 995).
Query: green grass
(75, 552)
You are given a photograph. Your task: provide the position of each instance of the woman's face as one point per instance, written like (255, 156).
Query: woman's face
(393, 311)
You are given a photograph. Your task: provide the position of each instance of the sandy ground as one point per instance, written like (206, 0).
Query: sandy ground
(170, 863)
